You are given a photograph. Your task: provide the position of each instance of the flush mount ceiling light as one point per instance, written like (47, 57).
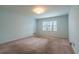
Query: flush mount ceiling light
(39, 10)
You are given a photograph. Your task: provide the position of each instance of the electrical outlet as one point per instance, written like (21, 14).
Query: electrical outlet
(72, 44)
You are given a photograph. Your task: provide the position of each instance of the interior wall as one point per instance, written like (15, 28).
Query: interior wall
(14, 25)
(62, 26)
(74, 27)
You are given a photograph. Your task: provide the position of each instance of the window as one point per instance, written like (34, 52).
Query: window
(54, 25)
(47, 26)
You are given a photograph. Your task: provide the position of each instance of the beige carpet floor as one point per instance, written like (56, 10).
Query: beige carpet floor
(37, 45)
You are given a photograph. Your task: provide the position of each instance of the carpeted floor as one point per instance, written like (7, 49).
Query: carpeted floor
(37, 45)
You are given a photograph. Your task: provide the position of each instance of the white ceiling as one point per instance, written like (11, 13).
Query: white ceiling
(51, 10)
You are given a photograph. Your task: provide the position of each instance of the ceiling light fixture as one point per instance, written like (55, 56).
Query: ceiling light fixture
(39, 10)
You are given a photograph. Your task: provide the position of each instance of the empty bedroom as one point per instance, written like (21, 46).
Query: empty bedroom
(39, 29)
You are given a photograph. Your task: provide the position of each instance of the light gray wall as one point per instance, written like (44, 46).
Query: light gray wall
(62, 26)
(14, 25)
(74, 27)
